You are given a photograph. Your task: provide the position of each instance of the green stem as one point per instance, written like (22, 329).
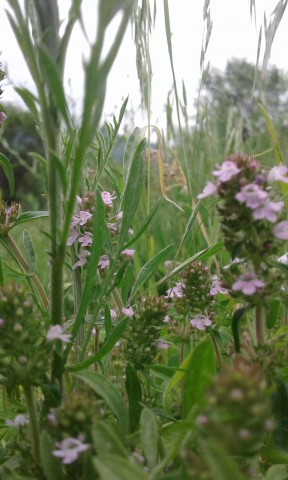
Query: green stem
(34, 425)
(217, 350)
(118, 301)
(34, 278)
(260, 325)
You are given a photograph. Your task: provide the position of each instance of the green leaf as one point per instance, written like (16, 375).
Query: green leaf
(6, 165)
(30, 101)
(134, 393)
(59, 166)
(115, 467)
(30, 252)
(280, 408)
(107, 321)
(149, 268)
(149, 433)
(200, 372)
(51, 465)
(196, 372)
(132, 193)
(115, 335)
(237, 317)
(133, 141)
(143, 227)
(28, 216)
(106, 440)
(272, 132)
(1, 273)
(222, 466)
(272, 313)
(277, 472)
(110, 394)
(52, 76)
(204, 254)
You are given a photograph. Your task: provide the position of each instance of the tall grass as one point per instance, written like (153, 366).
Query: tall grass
(144, 334)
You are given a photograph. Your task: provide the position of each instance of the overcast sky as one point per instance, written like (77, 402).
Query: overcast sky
(233, 35)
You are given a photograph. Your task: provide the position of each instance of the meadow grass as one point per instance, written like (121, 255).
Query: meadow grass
(160, 349)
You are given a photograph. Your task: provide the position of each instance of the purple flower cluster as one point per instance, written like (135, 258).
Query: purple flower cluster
(81, 229)
(253, 222)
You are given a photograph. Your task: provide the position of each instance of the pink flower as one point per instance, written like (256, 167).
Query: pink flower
(69, 449)
(248, 283)
(82, 259)
(166, 319)
(227, 170)
(209, 190)
(86, 240)
(108, 198)
(278, 173)
(280, 230)
(75, 220)
(3, 118)
(19, 421)
(269, 211)
(162, 345)
(252, 195)
(200, 322)
(72, 238)
(128, 312)
(176, 291)
(283, 259)
(84, 217)
(104, 262)
(113, 314)
(216, 288)
(119, 215)
(129, 253)
(56, 332)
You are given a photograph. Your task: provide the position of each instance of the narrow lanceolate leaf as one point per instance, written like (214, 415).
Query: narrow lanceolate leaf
(6, 165)
(113, 338)
(53, 78)
(237, 317)
(51, 466)
(273, 133)
(115, 467)
(200, 372)
(29, 248)
(30, 101)
(132, 193)
(133, 141)
(143, 227)
(106, 440)
(150, 267)
(149, 433)
(28, 216)
(196, 372)
(110, 394)
(222, 466)
(203, 254)
(134, 393)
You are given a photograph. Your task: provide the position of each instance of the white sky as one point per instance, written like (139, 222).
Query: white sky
(233, 35)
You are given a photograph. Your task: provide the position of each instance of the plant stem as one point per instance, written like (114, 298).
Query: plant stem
(34, 278)
(217, 351)
(260, 325)
(34, 425)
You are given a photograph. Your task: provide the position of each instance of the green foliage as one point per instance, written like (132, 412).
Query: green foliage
(153, 389)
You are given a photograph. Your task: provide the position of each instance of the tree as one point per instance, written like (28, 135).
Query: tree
(233, 98)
